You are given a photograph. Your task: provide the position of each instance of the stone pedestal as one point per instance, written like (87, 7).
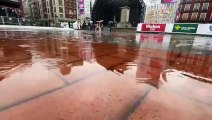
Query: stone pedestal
(125, 15)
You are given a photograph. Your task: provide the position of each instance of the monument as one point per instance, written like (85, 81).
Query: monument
(124, 20)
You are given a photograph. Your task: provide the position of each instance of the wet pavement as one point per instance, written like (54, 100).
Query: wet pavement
(78, 75)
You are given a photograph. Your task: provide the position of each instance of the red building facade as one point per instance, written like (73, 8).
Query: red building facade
(70, 9)
(196, 11)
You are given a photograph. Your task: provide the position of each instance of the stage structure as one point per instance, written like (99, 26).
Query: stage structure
(110, 10)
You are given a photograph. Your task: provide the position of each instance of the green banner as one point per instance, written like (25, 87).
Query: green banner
(185, 28)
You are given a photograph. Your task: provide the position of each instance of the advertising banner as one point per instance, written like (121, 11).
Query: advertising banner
(205, 29)
(153, 27)
(185, 28)
(81, 7)
(161, 13)
(87, 8)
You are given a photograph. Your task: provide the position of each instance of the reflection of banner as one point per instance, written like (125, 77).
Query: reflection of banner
(153, 27)
(154, 41)
(202, 43)
(81, 7)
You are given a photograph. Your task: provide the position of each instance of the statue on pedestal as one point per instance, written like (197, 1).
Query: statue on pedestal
(124, 20)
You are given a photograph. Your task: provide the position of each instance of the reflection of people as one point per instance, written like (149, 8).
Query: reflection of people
(78, 24)
(110, 24)
(150, 73)
(91, 25)
(65, 69)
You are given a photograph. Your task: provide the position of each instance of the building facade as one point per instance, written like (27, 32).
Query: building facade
(51, 12)
(195, 11)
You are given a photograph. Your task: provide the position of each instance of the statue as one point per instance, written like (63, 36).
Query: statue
(124, 20)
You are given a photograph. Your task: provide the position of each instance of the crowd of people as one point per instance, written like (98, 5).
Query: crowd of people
(96, 26)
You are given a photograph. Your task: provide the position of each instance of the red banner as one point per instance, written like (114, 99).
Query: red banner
(153, 27)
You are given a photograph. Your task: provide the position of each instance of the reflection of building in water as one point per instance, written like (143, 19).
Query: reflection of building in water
(185, 56)
(114, 52)
(11, 53)
(152, 59)
(181, 55)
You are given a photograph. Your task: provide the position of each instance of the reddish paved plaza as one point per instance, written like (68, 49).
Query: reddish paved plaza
(78, 75)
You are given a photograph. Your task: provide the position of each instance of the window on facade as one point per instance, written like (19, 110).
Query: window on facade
(194, 16)
(205, 6)
(61, 15)
(196, 6)
(60, 2)
(187, 7)
(61, 9)
(185, 17)
(45, 16)
(202, 16)
(54, 9)
(66, 10)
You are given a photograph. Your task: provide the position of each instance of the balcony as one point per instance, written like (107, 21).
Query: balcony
(11, 3)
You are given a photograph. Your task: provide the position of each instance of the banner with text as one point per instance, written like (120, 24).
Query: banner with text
(153, 27)
(185, 28)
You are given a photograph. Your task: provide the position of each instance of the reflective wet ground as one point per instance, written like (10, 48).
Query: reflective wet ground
(78, 75)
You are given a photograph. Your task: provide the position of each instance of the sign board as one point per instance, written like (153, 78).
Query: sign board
(153, 27)
(205, 29)
(202, 29)
(185, 28)
(87, 4)
(81, 7)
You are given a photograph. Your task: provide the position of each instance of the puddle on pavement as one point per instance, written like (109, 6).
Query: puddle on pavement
(146, 58)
